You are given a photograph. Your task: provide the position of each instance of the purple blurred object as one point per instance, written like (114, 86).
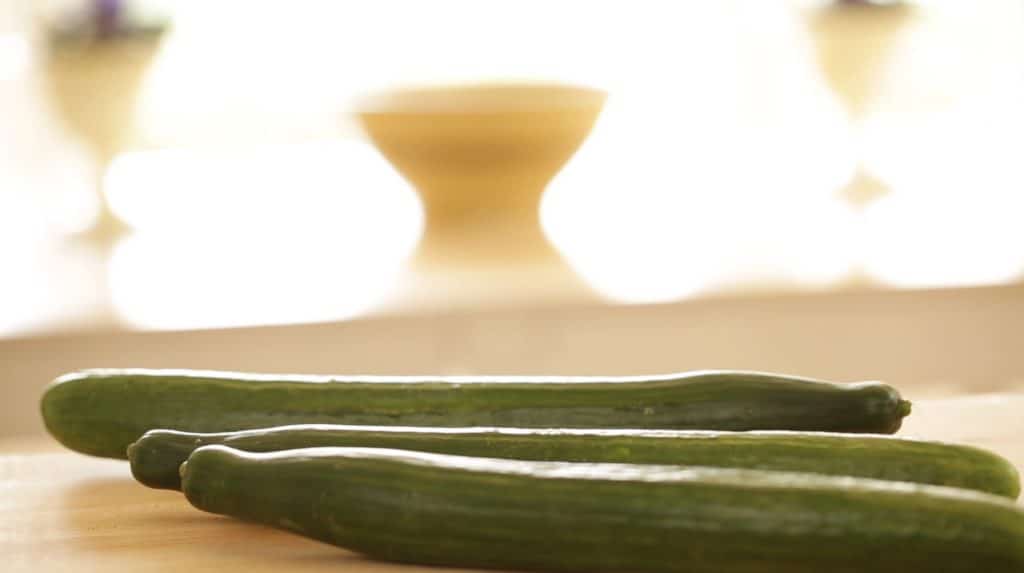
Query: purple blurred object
(107, 14)
(85, 21)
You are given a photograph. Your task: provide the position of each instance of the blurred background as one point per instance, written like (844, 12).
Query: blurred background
(822, 188)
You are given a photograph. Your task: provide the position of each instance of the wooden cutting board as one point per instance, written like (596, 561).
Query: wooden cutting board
(61, 511)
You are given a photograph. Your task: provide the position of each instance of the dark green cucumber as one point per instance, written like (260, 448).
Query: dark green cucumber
(156, 457)
(573, 517)
(101, 412)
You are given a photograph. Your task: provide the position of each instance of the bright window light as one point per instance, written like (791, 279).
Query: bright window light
(918, 241)
(276, 235)
(15, 56)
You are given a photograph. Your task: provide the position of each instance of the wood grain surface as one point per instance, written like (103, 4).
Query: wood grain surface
(61, 511)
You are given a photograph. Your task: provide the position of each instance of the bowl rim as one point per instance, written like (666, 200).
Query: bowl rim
(480, 98)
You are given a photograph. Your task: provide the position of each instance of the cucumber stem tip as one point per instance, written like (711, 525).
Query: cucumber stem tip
(905, 408)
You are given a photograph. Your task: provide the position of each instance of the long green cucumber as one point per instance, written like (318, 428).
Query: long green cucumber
(574, 517)
(156, 456)
(101, 412)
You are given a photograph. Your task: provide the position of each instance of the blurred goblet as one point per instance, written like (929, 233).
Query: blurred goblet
(854, 40)
(94, 64)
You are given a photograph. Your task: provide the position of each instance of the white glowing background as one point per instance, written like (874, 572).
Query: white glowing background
(718, 162)
(309, 232)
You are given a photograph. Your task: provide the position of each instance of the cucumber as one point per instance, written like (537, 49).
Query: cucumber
(101, 412)
(156, 456)
(458, 511)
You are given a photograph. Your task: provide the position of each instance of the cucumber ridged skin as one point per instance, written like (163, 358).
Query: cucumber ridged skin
(157, 455)
(101, 412)
(570, 517)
